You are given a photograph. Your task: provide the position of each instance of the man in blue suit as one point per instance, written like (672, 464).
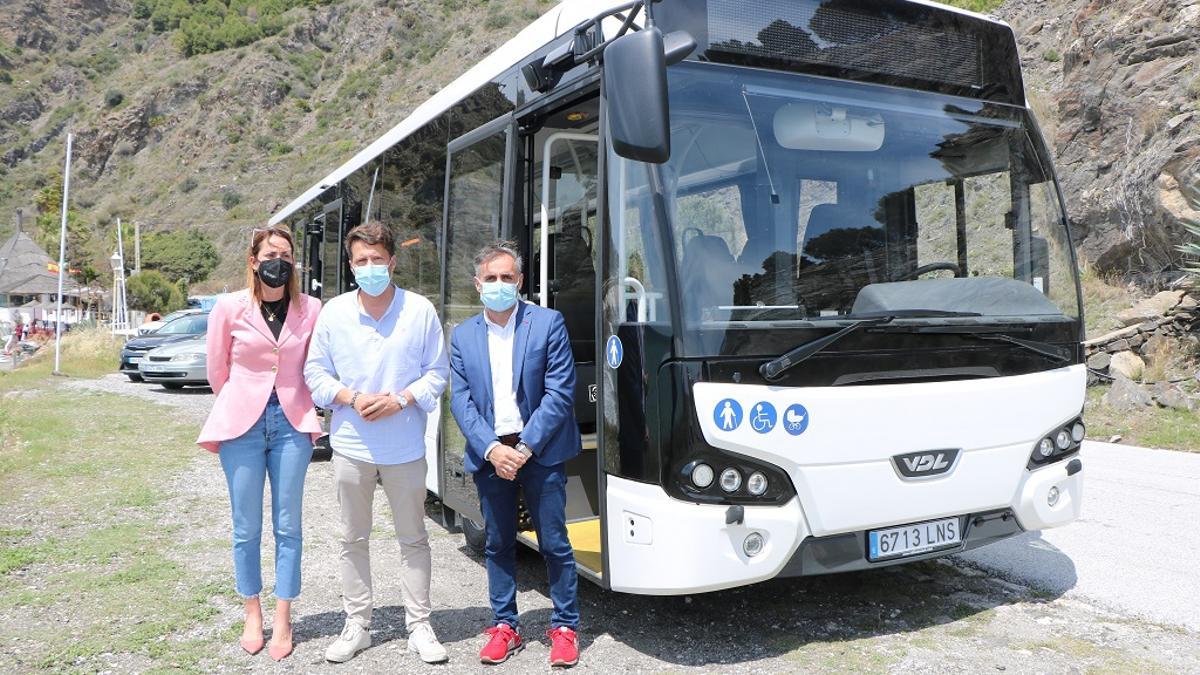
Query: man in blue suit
(513, 396)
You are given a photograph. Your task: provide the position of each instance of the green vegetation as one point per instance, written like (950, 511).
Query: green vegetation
(150, 291)
(974, 5)
(85, 485)
(180, 255)
(1191, 248)
(1052, 55)
(208, 26)
(230, 199)
(1152, 427)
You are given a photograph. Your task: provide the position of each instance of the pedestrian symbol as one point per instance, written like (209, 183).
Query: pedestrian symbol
(763, 417)
(795, 419)
(727, 415)
(614, 352)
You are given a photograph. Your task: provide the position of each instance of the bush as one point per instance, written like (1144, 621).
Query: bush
(230, 199)
(188, 185)
(113, 98)
(1052, 56)
(180, 255)
(1191, 252)
(151, 292)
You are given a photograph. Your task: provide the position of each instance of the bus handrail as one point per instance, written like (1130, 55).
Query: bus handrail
(640, 292)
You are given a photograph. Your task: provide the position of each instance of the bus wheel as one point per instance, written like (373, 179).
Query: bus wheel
(474, 533)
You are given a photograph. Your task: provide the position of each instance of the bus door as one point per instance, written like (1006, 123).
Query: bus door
(334, 275)
(477, 199)
(561, 189)
(314, 234)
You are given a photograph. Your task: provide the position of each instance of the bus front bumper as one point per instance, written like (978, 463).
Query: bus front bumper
(662, 546)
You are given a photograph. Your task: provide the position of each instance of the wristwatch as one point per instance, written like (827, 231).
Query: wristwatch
(401, 401)
(523, 449)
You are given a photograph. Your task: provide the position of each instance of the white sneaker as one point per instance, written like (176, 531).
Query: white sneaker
(354, 639)
(423, 642)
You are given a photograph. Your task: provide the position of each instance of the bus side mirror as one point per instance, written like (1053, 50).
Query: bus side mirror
(635, 84)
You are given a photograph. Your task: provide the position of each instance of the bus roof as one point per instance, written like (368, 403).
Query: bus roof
(561, 18)
(542, 31)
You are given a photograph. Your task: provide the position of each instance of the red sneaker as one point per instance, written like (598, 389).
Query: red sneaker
(503, 642)
(564, 647)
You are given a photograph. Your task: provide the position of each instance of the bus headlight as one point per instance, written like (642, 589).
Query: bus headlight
(1057, 444)
(756, 484)
(702, 475)
(753, 545)
(731, 480)
(1077, 432)
(1062, 439)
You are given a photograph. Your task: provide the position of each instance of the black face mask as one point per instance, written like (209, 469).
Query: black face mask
(275, 272)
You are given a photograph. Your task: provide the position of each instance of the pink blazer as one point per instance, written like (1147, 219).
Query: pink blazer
(245, 362)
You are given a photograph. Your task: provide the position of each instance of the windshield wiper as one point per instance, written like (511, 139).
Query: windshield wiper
(773, 369)
(1050, 351)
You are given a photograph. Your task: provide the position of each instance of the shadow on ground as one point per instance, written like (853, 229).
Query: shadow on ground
(779, 616)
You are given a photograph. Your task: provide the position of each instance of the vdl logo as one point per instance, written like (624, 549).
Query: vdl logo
(926, 463)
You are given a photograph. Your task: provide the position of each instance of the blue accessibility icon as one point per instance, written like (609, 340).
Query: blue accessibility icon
(795, 419)
(728, 415)
(763, 417)
(614, 352)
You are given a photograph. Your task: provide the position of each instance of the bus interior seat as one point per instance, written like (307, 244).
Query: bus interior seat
(709, 272)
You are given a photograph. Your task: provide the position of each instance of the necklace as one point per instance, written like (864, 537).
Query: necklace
(273, 308)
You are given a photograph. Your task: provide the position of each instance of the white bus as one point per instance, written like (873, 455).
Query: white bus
(814, 264)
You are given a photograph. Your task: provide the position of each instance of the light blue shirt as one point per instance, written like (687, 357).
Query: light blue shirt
(405, 349)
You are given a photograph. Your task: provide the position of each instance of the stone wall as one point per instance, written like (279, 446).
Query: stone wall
(1156, 347)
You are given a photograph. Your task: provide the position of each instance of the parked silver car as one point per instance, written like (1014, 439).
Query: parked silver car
(176, 364)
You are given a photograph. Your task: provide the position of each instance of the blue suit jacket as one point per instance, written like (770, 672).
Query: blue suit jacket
(544, 377)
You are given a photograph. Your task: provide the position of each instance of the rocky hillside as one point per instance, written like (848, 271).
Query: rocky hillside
(1117, 86)
(218, 141)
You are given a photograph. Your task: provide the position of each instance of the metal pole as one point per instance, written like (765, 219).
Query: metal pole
(121, 253)
(62, 256)
(137, 247)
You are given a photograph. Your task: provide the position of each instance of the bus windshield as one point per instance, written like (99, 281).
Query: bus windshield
(793, 200)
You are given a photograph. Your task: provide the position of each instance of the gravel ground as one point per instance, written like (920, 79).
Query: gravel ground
(936, 617)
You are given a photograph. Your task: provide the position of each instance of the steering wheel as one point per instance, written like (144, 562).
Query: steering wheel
(931, 267)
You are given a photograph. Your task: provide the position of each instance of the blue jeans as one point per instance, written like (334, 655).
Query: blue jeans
(273, 449)
(546, 497)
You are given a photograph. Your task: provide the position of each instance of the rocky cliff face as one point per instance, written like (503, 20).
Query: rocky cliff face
(217, 142)
(1117, 83)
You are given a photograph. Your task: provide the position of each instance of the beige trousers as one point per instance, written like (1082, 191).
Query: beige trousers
(404, 486)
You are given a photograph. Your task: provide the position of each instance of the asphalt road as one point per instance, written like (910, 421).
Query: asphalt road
(1136, 547)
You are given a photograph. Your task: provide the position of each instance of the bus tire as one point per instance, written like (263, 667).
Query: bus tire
(474, 533)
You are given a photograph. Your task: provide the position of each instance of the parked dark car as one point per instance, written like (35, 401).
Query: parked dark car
(179, 329)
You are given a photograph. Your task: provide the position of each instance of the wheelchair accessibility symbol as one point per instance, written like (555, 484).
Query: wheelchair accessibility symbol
(763, 417)
(795, 419)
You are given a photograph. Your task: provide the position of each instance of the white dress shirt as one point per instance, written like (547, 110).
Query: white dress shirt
(404, 349)
(504, 391)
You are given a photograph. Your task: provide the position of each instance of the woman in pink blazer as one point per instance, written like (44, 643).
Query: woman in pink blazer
(263, 423)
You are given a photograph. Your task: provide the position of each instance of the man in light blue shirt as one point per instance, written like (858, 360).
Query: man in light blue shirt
(378, 360)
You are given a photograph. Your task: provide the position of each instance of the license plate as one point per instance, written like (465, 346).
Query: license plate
(154, 369)
(896, 542)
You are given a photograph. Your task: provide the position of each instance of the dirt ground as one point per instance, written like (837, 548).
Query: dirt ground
(935, 617)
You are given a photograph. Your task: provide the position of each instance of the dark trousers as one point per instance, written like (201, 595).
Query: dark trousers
(546, 497)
